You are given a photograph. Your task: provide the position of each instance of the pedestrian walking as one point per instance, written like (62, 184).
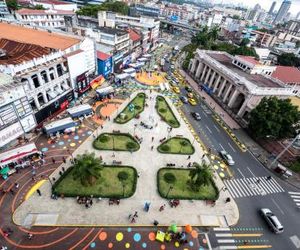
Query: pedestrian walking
(258, 181)
(189, 157)
(64, 159)
(162, 208)
(53, 160)
(29, 236)
(135, 214)
(227, 200)
(53, 179)
(132, 220)
(63, 169)
(17, 185)
(60, 173)
(152, 139)
(269, 178)
(152, 148)
(129, 216)
(39, 192)
(113, 155)
(12, 191)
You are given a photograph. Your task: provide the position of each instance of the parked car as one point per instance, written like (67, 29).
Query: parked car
(176, 90)
(190, 95)
(196, 116)
(192, 101)
(184, 99)
(227, 157)
(273, 222)
(189, 89)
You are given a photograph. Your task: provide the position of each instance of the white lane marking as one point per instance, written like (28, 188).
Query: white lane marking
(242, 186)
(265, 185)
(298, 204)
(276, 185)
(223, 235)
(228, 247)
(221, 229)
(217, 128)
(296, 241)
(221, 147)
(253, 186)
(294, 193)
(208, 129)
(250, 171)
(204, 114)
(226, 241)
(231, 190)
(246, 185)
(240, 172)
(296, 200)
(295, 196)
(276, 204)
(231, 147)
(238, 188)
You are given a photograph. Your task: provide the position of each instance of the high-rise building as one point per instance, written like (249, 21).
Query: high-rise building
(272, 8)
(283, 10)
(298, 16)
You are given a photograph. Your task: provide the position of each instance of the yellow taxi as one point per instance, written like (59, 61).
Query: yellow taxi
(176, 90)
(190, 95)
(192, 101)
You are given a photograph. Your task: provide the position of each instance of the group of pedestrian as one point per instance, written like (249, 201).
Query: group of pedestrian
(133, 217)
(86, 201)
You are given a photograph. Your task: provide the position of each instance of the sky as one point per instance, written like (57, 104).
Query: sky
(265, 4)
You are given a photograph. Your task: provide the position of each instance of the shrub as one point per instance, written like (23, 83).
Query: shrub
(165, 148)
(162, 110)
(137, 107)
(130, 145)
(122, 176)
(184, 143)
(172, 122)
(104, 139)
(169, 178)
(159, 98)
(141, 95)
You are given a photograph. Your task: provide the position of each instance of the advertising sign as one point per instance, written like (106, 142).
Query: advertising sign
(10, 133)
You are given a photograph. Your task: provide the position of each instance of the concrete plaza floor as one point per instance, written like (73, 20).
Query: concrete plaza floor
(42, 210)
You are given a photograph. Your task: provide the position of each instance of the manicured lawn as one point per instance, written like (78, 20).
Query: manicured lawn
(116, 142)
(126, 115)
(108, 185)
(176, 145)
(165, 112)
(181, 189)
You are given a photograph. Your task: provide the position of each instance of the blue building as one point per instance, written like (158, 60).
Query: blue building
(104, 64)
(143, 10)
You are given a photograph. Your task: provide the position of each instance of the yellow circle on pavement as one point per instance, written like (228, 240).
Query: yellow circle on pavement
(222, 175)
(222, 165)
(72, 144)
(119, 236)
(216, 167)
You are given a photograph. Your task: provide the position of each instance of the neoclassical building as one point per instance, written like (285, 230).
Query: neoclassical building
(238, 83)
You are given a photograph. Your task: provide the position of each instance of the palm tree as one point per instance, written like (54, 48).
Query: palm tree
(213, 33)
(87, 169)
(200, 175)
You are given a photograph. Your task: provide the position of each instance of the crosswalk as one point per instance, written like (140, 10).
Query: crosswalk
(296, 198)
(255, 186)
(239, 238)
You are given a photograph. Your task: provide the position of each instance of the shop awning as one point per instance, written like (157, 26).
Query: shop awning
(65, 86)
(129, 70)
(52, 94)
(97, 82)
(4, 171)
(17, 153)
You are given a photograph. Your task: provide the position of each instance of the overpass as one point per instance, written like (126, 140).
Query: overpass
(180, 25)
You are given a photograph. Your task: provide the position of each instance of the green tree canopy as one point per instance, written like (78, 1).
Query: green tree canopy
(12, 4)
(200, 175)
(245, 42)
(87, 169)
(288, 59)
(274, 117)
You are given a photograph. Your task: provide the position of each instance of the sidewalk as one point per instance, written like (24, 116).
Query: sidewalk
(253, 147)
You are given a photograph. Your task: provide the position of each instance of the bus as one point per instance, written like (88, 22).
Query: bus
(66, 125)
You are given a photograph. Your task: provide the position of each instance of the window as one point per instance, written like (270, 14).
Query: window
(35, 81)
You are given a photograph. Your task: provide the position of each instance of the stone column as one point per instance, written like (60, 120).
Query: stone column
(36, 102)
(207, 76)
(212, 79)
(217, 83)
(203, 73)
(192, 68)
(30, 82)
(48, 75)
(232, 98)
(222, 87)
(41, 81)
(243, 107)
(227, 93)
(199, 69)
(45, 96)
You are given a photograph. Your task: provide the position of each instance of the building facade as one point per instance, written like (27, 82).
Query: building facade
(283, 11)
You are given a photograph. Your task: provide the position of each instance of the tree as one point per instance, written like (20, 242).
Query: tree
(39, 7)
(245, 51)
(12, 4)
(87, 169)
(288, 59)
(274, 117)
(200, 175)
(245, 42)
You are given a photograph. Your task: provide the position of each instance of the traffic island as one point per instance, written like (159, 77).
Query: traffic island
(176, 145)
(177, 184)
(116, 142)
(113, 182)
(132, 110)
(165, 112)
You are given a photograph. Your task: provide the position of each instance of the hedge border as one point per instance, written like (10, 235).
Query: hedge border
(115, 120)
(180, 198)
(175, 137)
(125, 134)
(134, 184)
(161, 116)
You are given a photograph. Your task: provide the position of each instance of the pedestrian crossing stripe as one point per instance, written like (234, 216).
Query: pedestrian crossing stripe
(296, 197)
(254, 186)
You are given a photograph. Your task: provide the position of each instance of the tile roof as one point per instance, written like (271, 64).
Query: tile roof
(102, 56)
(249, 59)
(23, 34)
(17, 53)
(133, 35)
(25, 11)
(287, 74)
(53, 2)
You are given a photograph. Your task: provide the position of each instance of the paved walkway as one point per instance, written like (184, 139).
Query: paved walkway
(42, 210)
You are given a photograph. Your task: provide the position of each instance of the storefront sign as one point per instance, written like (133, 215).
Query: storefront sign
(97, 82)
(10, 133)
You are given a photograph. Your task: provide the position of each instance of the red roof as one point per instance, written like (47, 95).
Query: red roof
(133, 35)
(249, 59)
(102, 56)
(44, 12)
(287, 74)
(53, 2)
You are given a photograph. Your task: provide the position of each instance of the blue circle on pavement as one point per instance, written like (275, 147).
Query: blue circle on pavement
(191, 243)
(61, 143)
(144, 245)
(201, 248)
(89, 132)
(44, 149)
(93, 244)
(129, 229)
(137, 237)
(76, 137)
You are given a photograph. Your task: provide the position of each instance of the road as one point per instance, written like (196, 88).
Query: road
(272, 194)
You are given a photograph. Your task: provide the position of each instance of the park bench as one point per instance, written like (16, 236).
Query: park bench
(117, 162)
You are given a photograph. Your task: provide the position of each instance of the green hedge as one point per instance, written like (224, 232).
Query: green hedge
(173, 146)
(165, 112)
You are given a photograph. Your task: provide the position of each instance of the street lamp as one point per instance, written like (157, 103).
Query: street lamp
(170, 188)
(123, 186)
(113, 138)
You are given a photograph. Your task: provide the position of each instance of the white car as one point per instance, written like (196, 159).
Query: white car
(227, 157)
(273, 222)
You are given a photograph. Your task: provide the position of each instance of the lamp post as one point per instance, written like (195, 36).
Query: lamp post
(113, 138)
(170, 188)
(123, 186)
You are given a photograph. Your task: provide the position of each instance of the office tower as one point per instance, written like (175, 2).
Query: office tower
(272, 8)
(282, 12)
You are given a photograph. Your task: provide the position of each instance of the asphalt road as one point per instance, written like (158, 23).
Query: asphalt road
(247, 167)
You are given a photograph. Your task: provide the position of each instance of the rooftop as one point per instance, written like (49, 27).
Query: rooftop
(249, 59)
(257, 79)
(102, 56)
(134, 35)
(22, 34)
(53, 2)
(44, 12)
(112, 31)
(17, 52)
(287, 74)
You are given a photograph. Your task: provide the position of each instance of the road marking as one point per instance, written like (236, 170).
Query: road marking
(217, 128)
(241, 172)
(295, 196)
(294, 193)
(221, 147)
(295, 241)
(204, 114)
(224, 235)
(208, 129)
(228, 247)
(221, 229)
(226, 241)
(254, 247)
(251, 172)
(276, 204)
(247, 235)
(231, 147)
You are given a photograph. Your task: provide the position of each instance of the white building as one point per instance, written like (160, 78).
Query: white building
(16, 115)
(4, 12)
(56, 5)
(43, 18)
(53, 68)
(237, 84)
